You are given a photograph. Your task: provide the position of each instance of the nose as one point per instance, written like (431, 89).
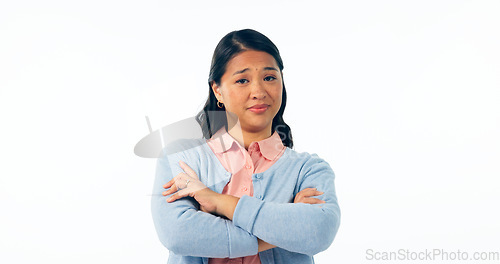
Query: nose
(258, 91)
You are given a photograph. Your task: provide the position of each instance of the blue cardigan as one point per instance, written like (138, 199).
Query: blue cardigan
(298, 230)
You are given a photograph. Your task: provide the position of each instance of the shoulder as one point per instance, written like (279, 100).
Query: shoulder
(303, 158)
(312, 172)
(307, 163)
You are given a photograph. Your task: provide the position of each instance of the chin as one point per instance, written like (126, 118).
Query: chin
(254, 128)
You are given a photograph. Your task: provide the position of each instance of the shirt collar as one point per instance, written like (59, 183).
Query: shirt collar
(221, 141)
(270, 147)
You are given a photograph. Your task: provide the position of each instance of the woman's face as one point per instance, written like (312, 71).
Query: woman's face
(251, 90)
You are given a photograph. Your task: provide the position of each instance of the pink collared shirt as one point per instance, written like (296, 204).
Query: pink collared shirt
(242, 164)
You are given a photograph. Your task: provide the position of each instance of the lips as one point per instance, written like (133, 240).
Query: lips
(258, 109)
(259, 106)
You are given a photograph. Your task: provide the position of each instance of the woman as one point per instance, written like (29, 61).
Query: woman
(241, 194)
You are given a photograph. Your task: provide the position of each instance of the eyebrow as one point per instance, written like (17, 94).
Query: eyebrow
(265, 69)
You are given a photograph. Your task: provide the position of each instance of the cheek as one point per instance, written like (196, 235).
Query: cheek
(234, 98)
(277, 94)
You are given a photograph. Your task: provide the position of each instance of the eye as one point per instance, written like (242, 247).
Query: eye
(242, 81)
(269, 78)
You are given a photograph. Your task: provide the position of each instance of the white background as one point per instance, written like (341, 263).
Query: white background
(400, 97)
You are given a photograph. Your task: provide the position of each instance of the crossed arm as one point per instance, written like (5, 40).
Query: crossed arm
(187, 184)
(193, 226)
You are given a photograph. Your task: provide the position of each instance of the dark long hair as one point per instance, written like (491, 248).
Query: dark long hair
(212, 118)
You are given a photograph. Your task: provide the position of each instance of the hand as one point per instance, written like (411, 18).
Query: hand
(186, 184)
(304, 196)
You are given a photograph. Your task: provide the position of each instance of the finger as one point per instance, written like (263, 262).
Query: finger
(183, 193)
(312, 195)
(318, 193)
(168, 184)
(188, 169)
(178, 195)
(311, 192)
(170, 191)
(172, 198)
(312, 201)
(307, 192)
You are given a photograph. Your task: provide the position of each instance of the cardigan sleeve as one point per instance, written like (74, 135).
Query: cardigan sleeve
(301, 228)
(184, 230)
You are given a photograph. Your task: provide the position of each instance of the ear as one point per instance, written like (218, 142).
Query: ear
(216, 90)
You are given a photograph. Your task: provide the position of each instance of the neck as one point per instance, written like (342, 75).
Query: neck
(246, 137)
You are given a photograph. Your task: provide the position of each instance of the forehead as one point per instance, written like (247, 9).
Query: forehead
(251, 59)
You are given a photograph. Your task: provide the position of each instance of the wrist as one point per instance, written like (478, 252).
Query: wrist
(217, 202)
(225, 205)
(263, 245)
(208, 200)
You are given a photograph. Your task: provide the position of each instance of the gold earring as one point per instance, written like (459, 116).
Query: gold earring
(219, 104)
